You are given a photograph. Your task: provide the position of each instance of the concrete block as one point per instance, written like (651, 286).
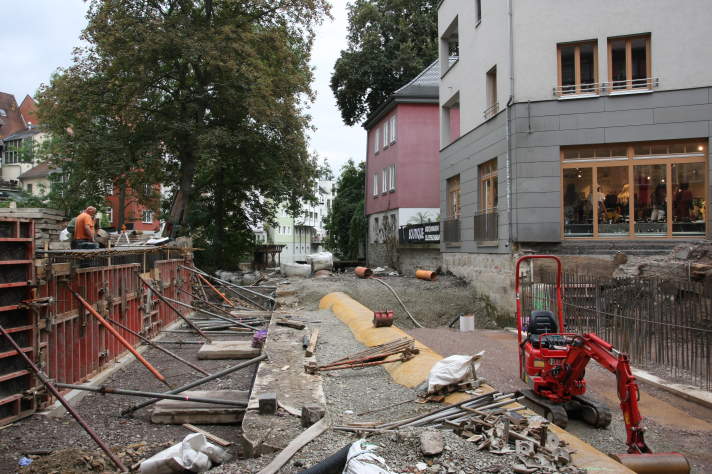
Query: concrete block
(176, 412)
(228, 350)
(311, 414)
(267, 403)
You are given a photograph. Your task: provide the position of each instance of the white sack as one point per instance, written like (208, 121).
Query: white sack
(321, 261)
(194, 453)
(453, 369)
(362, 460)
(64, 235)
(301, 270)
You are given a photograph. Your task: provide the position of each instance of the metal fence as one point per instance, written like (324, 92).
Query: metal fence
(665, 326)
(486, 226)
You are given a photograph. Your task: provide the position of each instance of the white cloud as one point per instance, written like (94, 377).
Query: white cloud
(39, 35)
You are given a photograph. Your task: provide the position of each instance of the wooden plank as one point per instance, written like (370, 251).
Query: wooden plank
(290, 323)
(210, 436)
(312, 343)
(295, 445)
(228, 350)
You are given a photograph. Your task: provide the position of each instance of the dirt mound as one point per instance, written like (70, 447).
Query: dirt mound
(77, 461)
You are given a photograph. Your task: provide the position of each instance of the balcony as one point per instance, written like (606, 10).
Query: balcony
(451, 230)
(487, 226)
(491, 111)
(571, 91)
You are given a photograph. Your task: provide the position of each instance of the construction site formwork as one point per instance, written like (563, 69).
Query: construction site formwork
(50, 324)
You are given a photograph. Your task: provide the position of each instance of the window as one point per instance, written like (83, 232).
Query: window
(3, 113)
(629, 64)
(375, 230)
(375, 184)
(29, 188)
(11, 155)
(376, 140)
(491, 90)
(109, 216)
(147, 217)
(453, 197)
(449, 47)
(652, 189)
(385, 135)
(392, 178)
(478, 11)
(578, 68)
(393, 129)
(488, 186)
(384, 180)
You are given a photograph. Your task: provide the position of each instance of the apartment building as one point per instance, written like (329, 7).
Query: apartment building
(402, 162)
(575, 126)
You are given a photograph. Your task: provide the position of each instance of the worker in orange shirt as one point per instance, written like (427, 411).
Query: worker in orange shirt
(84, 230)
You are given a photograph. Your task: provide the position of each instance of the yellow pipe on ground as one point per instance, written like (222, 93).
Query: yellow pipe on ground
(415, 371)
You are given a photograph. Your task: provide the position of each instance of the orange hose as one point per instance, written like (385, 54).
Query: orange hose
(215, 290)
(118, 336)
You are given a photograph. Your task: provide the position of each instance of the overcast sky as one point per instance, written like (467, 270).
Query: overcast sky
(38, 36)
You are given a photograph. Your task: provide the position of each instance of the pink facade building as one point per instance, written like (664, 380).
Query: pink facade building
(402, 164)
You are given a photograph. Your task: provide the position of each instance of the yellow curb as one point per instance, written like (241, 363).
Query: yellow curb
(415, 371)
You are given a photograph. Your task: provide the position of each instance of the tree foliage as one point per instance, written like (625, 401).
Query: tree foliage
(206, 97)
(346, 224)
(389, 43)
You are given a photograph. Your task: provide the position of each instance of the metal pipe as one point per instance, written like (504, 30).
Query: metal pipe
(198, 382)
(216, 290)
(180, 342)
(224, 318)
(139, 393)
(215, 307)
(120, 338)
(175, 310)
(162, 349)
(228, 284)
(45, 380)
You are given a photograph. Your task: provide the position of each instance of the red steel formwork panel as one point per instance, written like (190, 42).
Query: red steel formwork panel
(78, 346)
(16, 275)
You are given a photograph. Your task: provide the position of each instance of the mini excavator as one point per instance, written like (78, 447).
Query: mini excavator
(553, 364)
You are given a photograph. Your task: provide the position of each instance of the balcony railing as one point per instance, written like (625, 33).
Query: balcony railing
(491, 111)
(601, 88)
(487, 226)
(451, 230)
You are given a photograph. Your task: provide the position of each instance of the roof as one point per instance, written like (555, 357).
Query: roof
(42, 170)
(425, 84)
(423, 89)
(27, 133)
(28, 109)
(10, 118)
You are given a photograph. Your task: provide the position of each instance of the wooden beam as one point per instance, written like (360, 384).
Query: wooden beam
(295, 445)
(210, 436)
(311, 348)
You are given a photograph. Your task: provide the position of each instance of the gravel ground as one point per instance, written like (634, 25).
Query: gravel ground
(101, 412)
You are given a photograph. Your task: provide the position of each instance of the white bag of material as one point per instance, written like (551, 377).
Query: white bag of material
(64, 235)
(453, 369)
(321, 261)
(194, 453)
(362, 460)
(301, 270)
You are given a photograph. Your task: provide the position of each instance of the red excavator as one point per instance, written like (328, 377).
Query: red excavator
(553, 363)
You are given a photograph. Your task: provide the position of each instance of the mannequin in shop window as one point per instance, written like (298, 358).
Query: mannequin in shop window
(658, 199)
(683, 203)
(601, 202)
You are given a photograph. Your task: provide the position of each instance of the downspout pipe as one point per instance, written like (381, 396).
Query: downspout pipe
(510, 101)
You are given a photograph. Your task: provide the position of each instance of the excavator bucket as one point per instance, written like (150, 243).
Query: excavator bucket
(654, 463)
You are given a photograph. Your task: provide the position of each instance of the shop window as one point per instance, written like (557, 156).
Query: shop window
(688, 205)
(613, 201)
(650, 200)
(578, 207)
(629, 63)
(578, 68)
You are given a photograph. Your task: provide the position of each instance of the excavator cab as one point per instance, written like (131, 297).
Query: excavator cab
(553, 362)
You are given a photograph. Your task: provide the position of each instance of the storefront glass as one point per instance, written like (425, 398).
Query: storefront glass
(613, 198)
(578, 202)
(688, 205)
(650, 200)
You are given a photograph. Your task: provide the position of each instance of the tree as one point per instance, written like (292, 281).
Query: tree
(206, 97)
(346, 224)
(389, 43)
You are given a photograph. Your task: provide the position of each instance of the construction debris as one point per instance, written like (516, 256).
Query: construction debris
(194, 453)
(375, 355)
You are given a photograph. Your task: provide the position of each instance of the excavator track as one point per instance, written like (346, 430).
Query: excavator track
(554, 412)
(593, 412)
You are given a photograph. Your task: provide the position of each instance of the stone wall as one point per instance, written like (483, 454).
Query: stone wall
(377, 255)
(491, 275)
(414, 258)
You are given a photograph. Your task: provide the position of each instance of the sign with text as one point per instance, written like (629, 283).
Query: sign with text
(428, 233)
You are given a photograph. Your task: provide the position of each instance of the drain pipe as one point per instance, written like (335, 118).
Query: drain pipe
(509, 126)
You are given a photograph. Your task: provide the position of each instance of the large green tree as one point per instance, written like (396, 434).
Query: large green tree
(389, 43)
(346, 223)
(207, 97)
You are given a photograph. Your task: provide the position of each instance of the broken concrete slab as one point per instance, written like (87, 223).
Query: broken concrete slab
(178, 412)
(432, 443)
(228, 350)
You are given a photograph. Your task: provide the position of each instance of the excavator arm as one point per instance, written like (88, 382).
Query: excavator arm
(589, 346)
